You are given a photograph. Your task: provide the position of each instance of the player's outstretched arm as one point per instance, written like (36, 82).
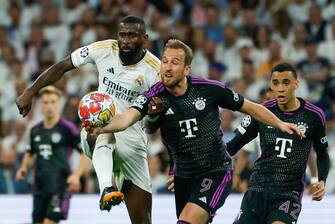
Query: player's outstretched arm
(119, 123)
(50, 76)
(262, 114)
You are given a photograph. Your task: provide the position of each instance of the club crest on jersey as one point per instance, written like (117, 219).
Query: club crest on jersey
(140, 80)
(56, 137)
(302, 126)
(246, 121)
(84, 52)
(199, 103)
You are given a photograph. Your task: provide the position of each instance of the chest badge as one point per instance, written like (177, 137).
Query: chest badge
(302, 126)
(140, 80)
(56, 137)
(199, 103)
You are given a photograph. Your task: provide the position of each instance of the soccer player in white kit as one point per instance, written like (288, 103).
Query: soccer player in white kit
(126, 70)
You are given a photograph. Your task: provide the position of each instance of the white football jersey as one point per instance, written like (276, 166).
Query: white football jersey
(123, 83)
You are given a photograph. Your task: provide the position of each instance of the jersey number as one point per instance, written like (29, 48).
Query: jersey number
(283, 145)
(45, 151)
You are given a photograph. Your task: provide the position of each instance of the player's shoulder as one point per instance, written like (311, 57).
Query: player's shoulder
(269, 104)
(198, 81)
(314, 112)
(155, 90)
(69, 125)
(36, 126)
(151, 61)
(105, 45)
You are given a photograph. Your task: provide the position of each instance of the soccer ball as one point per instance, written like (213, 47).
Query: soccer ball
(96, 109)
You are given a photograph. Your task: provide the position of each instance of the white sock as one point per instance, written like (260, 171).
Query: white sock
(103, 162)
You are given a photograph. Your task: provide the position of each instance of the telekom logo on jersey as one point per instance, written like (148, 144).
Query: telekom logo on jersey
(283, 145)
(189, 126)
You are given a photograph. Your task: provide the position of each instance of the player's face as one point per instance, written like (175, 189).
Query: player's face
(284, 85)
(130, 38)
(173, 69)
(50, 104)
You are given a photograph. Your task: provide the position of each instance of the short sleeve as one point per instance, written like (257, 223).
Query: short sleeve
(93, 52)
(29, 148)
(82, 56)
(229, 99)
(141, 104)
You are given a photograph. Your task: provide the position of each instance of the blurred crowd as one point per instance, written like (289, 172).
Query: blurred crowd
(233, 41)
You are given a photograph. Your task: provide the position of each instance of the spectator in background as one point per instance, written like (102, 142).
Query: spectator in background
(314, 69)
(315, 25)
(32, 48)
(264, 69)
(249, 26)
(253, 85)
(234, 14)
(164, 34)
(261, 40)
(212, 26)
(226, 52)
(200, 63)
(281, 24)
(295, 51)
(298, 10)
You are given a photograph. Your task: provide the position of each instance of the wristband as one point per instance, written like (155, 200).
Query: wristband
(152, 119)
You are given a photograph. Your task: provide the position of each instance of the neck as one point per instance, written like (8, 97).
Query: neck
(180, 88)
(290, 106)
(51, 122)
(133, 59)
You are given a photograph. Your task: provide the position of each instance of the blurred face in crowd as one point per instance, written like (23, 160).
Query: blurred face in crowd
(173, 69)
(131, 38)
(284, 85)
(299, 32)
(50, 104)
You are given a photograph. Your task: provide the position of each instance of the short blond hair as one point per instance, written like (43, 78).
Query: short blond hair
(50, 90)
(177, 44)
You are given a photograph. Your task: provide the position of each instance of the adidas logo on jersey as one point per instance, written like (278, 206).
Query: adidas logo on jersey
(169, 111)
(270, 127)
(37, 138)
(203, 199)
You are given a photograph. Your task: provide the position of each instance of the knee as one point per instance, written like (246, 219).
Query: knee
(182, 222)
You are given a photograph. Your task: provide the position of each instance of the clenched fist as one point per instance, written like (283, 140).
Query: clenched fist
(156, 106)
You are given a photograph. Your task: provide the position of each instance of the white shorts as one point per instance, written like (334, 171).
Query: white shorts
(129, 162)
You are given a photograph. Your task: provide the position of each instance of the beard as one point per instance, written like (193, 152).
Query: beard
(130, 56)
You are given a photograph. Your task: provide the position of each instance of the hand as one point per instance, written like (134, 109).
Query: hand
(20, 174)
(156, 106)
(291, 129)
(170, 183)
(93, 132)
(24, 102)
(318, 191)
(73, 182)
